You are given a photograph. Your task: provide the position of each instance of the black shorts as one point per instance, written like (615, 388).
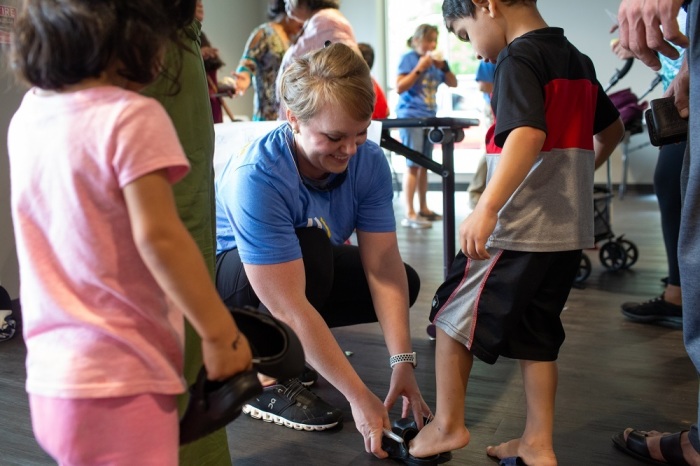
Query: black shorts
(508, 305)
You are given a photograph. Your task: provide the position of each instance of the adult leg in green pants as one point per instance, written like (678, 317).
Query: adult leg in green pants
(187, 103)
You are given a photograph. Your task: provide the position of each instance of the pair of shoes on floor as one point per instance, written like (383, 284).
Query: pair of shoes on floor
(430, 215)
(292, 405)
(416, 223)
(407, 429)
(655, 311)
(636, 446)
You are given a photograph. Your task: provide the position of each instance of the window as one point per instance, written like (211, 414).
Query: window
(464, 101)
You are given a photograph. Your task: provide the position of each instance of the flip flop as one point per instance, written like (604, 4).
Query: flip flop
(432, 216)
(508, 460)
(212, 405)
(407, 429)
(636, 446)
(399, 451)
(277, 351)
(511, 461)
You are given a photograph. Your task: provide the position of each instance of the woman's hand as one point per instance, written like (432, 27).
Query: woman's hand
(650, 26)
(403, 384)
(680, 89)
(242, 82)
(371, 418)
(209, 52)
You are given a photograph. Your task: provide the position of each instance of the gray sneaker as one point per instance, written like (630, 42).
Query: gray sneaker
(655, 311)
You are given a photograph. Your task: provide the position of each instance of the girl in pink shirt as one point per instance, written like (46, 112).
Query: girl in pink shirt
(107, 269)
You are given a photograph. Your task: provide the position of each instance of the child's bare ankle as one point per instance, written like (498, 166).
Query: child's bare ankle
(435, 439)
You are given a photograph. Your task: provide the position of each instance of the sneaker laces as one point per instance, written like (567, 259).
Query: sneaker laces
(294, 390)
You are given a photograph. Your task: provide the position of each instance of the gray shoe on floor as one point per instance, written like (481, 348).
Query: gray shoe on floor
(655, 311)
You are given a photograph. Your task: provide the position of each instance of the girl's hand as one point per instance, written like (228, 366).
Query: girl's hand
(227, 356)
(424, 62)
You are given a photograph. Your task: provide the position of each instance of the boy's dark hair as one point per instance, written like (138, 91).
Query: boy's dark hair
(456, 9)
(57, 43)
(367, 53)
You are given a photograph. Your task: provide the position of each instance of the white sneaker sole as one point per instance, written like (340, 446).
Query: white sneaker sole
(416, 224)
(255, 413)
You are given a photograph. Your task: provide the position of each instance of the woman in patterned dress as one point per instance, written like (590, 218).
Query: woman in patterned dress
(262, 58)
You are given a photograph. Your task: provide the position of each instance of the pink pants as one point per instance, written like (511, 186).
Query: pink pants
(141, 429)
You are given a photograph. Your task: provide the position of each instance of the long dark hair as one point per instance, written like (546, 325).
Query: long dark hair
(58, 43)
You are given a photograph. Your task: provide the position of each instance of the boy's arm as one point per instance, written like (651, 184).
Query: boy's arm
(604, 143)
(521, 149)
(176, 263)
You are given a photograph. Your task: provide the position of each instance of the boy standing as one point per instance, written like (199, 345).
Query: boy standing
(521, 246)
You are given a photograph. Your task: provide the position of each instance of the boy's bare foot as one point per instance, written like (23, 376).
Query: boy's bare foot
(434, 439)
(530, 454)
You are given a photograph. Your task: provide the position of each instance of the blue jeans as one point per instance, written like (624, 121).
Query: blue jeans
(689, 240)
(416, 139)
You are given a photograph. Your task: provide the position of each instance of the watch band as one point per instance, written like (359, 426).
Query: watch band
(403, 357)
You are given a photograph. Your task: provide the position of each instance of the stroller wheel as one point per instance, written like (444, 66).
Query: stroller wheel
(612, 256)
(584, 269)
(631, 252)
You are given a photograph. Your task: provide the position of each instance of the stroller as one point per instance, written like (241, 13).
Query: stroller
(616, 253)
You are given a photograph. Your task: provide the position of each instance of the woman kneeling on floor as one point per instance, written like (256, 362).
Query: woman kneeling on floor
(285, 209)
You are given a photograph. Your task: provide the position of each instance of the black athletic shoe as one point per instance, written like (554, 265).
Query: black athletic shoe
(7, 322)
(655, 311)
(7, 327)
(308, 377)
(292, 405)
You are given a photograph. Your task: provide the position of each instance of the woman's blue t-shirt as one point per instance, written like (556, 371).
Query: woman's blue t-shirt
(261, 200)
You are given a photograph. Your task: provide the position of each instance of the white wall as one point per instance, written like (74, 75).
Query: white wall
(227, 24)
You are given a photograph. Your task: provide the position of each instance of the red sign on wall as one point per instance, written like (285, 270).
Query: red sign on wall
(7, 20)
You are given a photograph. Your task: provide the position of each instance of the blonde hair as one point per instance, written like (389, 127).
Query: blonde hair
(334, 74)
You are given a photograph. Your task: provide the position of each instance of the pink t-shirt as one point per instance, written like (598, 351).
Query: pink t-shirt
(95, 322)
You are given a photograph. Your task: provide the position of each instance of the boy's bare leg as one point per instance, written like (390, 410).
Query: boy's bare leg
(446, 432)
(536, 446)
